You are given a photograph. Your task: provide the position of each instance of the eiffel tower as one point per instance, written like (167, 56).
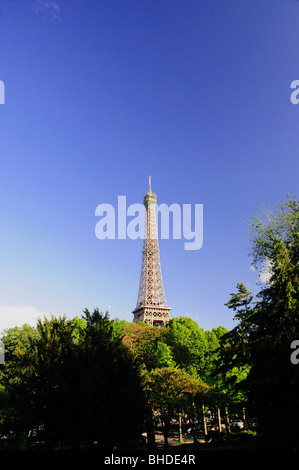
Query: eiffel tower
(151, 305)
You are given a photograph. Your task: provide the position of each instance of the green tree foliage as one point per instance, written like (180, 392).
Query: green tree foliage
(193, 349)
(188, 343)
(110, 377)
(83, 380)
(18, 342)
(267, 325)
(148, 345)
(213, 338)
(273, 380)
(233, 360)
(181, 343)
(170, 389)
(81, 386)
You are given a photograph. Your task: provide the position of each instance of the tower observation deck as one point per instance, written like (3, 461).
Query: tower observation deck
(151, 305)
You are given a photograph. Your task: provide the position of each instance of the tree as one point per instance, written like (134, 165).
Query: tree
(268, 325)
(148, 345)
(234, 359)
(81, 385)
(273, 381)
(13, 396)
(111, 395)
(213, 338)
(171, 389)
(188, 344)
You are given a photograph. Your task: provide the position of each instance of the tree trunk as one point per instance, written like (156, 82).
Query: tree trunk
(219, 420)
(244, 419)
(150, 430)
(226, 421)
(194, 432)
(166, 422)
(180, 428)
(165, 434)
(204, 422)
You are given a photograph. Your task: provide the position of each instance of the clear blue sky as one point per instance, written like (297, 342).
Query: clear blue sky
(101, 93)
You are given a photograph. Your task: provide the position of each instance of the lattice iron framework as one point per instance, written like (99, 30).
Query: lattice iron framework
(151, 305)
